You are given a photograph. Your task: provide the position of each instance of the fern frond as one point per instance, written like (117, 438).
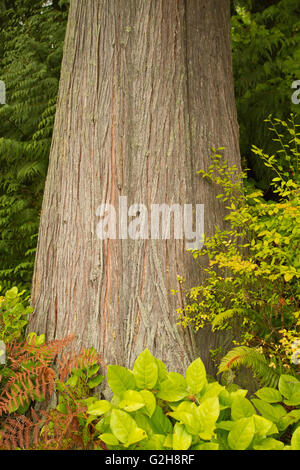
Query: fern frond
(86, 358)
(223, 317)
(252, 359)
(21, 432)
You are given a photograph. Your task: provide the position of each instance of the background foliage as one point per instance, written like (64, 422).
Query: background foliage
(266, 58)
(266, 54)
(32, 36)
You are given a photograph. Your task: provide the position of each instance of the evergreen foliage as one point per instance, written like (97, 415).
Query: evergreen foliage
(32, 36)
(266, 57)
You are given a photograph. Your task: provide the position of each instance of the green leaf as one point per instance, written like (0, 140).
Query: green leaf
(206, 446)
(168, 442)
(145, 370)
(209, 410)
(241, 408)
(72, 381)
(92, 370)
(174, 388)
(225, 399)
(109, 439)
(226, 425)
(143, 421)
(125, 429)
(269, 444)
(99, 407)
(181, 438)
(213, 389)
(156, 442)
(162, 370)
(136, 435)
(40, 340)
(208, 413)
(272, 412)
(288, 419)
(288, 385)
(295, 441)
(12, 293)
(294, 399)
(95, 381)
(120, 379)
(269, 394)
(238, 393)
(160, 423)
(150, 402)
(241, 434)
(131, 401)
(263, 426)
(187, 414)
(196, 376)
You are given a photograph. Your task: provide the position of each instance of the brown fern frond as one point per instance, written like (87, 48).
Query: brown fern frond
(21, 432)
(20, 354)
(64, 434)
(36, 382)
(34, 376)
(83, 360)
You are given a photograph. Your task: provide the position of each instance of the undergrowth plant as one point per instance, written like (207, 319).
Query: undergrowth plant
(14, 311)
(153, 409)
(252, 281)
(33, 374)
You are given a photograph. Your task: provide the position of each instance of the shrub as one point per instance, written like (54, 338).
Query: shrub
(252, 282)
(14, 310)
(154, 409)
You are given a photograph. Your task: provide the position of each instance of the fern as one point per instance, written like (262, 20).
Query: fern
(253, 359)
(223, 317)
(30, 376)
(35, 378)
(266, 41)
(30, 58)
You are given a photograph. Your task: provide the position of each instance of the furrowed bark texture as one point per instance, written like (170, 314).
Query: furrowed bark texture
(146, 89)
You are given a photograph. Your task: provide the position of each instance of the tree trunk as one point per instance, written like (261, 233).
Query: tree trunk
(146, 89)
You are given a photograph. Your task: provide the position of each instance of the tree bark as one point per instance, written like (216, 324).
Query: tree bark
(146, 89)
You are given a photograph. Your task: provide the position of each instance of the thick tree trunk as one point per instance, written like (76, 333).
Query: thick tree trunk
(146, 88)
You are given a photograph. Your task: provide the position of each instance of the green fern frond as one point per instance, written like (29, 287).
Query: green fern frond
(223, 317)
(252, 359)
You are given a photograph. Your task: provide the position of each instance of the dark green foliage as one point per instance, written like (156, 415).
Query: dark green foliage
(31, 51)
(266, 58)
